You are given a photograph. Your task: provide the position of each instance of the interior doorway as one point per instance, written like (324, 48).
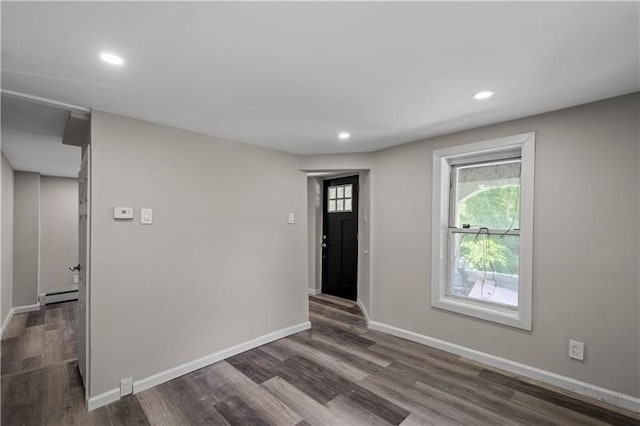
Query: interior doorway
(340, 237)
(45, 144)
(358, 274)
(83, 262)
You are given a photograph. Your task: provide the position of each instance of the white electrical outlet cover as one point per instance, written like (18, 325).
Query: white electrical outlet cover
(576, 350)
(126, 386)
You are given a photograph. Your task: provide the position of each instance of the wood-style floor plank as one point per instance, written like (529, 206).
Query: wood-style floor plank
(187, 403)
(350, 415)
(258, 365)
(337, 373)
(127, 411)
(561, 400)
(335, 364)
(374, 404)
(314, 412)
(237, 412)
(402, 397)
(160, 411)
(340, 346)
(550, 410)
(23, 398)
(256, 397)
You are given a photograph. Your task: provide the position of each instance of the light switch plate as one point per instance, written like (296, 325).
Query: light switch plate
(146, 216)
(292, 218)
(123, 213)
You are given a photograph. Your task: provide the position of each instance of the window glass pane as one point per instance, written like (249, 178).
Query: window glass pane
(488, 195)
(347, 204)
(484, 267)
(340, 191)
(340, 206)
(332, 192)
(347, 191)
(332, 205)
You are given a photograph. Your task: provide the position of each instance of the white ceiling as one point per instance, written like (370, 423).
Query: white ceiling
(290, 76)
(32, 139)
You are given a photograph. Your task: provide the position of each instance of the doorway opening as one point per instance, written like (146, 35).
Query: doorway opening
(339, 244)
(338, 203)
(45, 146)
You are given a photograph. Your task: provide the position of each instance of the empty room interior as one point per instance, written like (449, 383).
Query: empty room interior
(320, 213)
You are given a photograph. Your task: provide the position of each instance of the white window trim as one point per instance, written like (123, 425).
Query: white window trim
(442, 161)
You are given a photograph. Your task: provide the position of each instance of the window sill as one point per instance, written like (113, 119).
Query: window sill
(485, 311)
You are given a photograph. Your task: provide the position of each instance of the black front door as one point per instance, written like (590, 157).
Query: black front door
(340, 237)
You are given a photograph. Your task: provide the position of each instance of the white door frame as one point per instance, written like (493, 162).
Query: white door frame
(86, 265)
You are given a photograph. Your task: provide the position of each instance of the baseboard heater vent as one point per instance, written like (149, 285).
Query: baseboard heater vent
(58, 296)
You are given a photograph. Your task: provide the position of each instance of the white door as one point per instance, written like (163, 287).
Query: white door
(83, 257)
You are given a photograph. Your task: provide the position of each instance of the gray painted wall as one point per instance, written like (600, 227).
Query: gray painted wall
(586, 237)
(219, 266)
(26, 238)
(58, 233)
(586, 278)
(7, 240)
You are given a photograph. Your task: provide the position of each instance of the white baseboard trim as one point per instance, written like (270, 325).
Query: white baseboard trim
(23, 309)
(364, 310)
(6, 322)
(314, 291)
(103, 399)
(17, 310)
(181, 370)
(612, 397)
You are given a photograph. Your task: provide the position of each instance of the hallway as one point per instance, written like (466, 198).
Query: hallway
(40, 379)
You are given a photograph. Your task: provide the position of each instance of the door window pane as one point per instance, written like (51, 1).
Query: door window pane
(340, 198)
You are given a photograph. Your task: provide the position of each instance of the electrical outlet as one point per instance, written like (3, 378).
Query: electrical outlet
(126, 386)
(576, 350)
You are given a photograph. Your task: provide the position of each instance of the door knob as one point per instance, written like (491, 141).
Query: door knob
(323, 245)
(74, 268)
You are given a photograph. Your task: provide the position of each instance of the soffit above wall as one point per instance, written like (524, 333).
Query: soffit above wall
(32, 139)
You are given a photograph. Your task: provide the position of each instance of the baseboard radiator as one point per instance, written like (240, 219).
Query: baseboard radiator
(58, 296)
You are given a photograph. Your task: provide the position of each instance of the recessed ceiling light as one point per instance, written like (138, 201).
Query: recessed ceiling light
(112, 59)
(343, 136)
(485, 94)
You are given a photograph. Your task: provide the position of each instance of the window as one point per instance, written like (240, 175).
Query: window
(483, 230)
(340, 198)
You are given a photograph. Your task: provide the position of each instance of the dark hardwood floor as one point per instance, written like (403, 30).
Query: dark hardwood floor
(338, 373)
